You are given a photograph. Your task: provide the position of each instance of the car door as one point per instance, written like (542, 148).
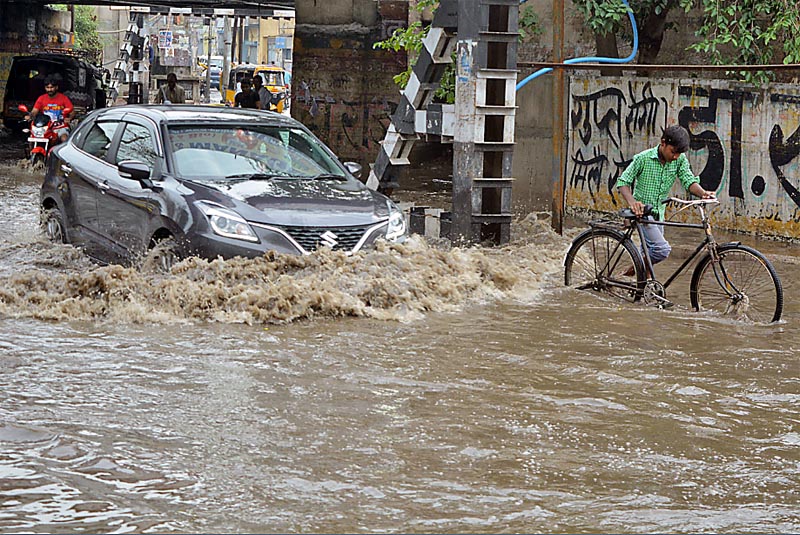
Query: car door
(84, 167)
(126, 207)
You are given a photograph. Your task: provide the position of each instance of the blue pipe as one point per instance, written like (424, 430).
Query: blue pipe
(595, 60)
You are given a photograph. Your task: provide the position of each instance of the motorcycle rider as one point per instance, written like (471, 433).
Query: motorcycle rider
(57, 105)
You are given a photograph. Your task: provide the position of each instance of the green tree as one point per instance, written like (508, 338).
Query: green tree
(750, 32)
(609, 18)
(87, 40)
(410, 40)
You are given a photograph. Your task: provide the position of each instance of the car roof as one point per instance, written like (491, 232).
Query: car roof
(191, 113)
(258, 67)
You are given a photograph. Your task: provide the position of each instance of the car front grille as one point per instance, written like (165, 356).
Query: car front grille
(311, 238)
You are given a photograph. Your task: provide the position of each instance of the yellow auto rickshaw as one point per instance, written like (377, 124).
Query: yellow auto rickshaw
(274, 78)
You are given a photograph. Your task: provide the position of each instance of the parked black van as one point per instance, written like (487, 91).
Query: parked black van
(81, 81)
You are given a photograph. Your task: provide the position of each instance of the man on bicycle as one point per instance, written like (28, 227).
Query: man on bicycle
(651, 175)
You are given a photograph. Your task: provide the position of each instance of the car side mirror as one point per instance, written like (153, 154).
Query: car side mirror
(354, 168)
(136, 170)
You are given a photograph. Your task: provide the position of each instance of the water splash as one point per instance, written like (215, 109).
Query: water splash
(391, 282)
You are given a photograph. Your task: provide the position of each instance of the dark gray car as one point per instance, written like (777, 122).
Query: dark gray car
(206, 181)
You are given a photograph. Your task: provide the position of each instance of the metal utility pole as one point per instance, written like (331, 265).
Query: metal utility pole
(207, 100)
(559, 89)
(226, 57)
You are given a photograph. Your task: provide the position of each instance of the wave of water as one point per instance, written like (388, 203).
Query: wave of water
(403, 282)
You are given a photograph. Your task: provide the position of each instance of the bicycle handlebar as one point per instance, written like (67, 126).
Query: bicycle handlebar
(686, 202)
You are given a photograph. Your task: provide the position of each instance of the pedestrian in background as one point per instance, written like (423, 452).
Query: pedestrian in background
(247, 98)
(264, 96)
(171, 92)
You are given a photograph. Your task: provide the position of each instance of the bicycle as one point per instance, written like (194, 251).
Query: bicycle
(729, 278)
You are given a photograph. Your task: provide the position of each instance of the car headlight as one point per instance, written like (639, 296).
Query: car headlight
(397, 223)
(227, 222)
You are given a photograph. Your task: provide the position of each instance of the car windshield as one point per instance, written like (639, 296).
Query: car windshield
(272, 77)
(220, 153)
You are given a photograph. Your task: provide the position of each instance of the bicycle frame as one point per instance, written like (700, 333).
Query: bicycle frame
(648, 263)
(708, 243)
(726, 277)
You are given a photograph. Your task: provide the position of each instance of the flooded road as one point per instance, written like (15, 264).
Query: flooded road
(408, 390)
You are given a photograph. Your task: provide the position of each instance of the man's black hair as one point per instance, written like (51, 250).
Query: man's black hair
(677, 136)
(52, 79)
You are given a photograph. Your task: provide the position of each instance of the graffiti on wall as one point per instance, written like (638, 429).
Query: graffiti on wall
(619, 120)
(354, 130)
(745, 144)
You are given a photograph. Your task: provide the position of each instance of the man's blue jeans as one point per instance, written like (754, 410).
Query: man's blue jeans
(658, 247)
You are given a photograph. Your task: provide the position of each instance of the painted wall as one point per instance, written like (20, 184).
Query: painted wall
(342, 88)
(745, 144)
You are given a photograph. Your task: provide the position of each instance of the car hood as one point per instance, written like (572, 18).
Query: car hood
(294, 202)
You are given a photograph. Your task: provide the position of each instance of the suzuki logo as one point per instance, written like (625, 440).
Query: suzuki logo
(330, 239)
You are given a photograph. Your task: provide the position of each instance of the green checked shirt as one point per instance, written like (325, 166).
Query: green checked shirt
(651, 180)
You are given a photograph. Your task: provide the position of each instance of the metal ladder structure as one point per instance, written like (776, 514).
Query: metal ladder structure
(480, 124)
(130, 65)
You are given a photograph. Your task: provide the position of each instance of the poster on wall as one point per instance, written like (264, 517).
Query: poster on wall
(164, 38)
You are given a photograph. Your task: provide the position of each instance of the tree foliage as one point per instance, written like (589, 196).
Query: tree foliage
(410, 40)
(87, 40)
(751, 32)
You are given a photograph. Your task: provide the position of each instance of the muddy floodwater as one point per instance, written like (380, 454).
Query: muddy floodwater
(410, 389)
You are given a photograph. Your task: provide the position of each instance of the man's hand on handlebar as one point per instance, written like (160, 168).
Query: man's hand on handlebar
(637, 208)
(697, 190)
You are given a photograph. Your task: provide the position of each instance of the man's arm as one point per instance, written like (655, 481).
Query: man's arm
(691, 182)
(69, 110)
(35, 111)
(697, 189)
(627, 194)
(625, 181)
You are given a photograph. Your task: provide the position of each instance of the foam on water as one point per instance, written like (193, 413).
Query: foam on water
(391, 282)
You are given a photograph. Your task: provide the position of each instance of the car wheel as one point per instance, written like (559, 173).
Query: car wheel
(53, 225)
(161, 256)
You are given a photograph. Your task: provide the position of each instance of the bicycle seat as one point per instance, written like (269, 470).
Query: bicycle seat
(627, 213)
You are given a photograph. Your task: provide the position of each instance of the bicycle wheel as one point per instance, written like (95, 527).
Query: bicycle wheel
(743, 284)
(601, 260)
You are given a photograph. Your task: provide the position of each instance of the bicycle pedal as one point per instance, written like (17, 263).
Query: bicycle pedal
(666, 304)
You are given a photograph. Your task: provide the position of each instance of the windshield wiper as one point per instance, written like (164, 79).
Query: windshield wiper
(325, 176)
(252, 176)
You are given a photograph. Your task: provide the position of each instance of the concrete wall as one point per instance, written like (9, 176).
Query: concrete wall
(745, 144)
(25, 28)
(342, 88)
(111, 24)
(337, 12)
(271, 28)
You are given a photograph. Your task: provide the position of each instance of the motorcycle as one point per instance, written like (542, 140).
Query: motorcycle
(44, 135)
